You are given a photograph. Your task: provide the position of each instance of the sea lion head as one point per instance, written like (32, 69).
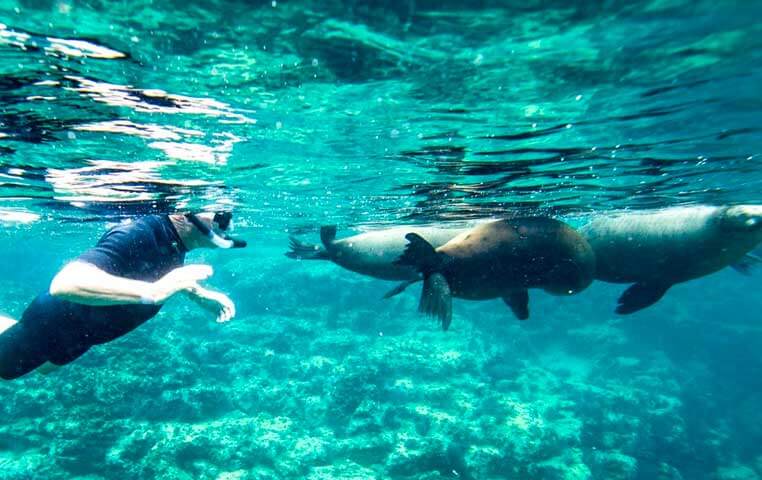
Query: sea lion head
(570, 276)
(573, 266)
(741, 227)
(743, 219)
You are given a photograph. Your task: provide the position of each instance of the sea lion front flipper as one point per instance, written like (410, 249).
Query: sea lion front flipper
(47, 368)
(640, 296)
(436, 299)
(746, 264)
(421, 255)
(518, 300)
(400, 288)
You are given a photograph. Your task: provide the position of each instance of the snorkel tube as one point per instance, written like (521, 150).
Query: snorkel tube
(223, 220)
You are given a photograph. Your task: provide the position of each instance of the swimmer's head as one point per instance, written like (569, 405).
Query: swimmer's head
(214, 227)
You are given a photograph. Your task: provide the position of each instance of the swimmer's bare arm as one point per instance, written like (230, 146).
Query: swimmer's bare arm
(215, 302)
(84, 283)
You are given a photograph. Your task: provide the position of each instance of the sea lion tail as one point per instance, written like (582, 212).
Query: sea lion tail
(306, 251)
(436, 297)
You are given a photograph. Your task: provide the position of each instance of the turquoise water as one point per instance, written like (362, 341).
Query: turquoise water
(367, 114)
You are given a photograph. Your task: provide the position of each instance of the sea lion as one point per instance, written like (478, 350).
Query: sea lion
(6, 323)
(372, 253)
(501, 259)
(657, 249)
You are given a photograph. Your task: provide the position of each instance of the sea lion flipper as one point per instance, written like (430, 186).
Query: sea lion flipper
(327, 235)
(306, 251)
(640, 296)
(518, 301)
(420, 254)
(400, 288)
(436, 299)
(746, 264)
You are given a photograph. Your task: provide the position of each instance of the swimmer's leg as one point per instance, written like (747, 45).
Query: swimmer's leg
(63, 356)
(19, 354)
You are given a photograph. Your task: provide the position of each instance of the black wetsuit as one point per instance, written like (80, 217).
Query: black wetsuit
(60, 331)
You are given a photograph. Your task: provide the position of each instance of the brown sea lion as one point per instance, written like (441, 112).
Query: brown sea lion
(501, 259)
(654, 250)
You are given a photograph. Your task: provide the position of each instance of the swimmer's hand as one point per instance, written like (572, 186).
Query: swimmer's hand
(178, 280)
(215, 302)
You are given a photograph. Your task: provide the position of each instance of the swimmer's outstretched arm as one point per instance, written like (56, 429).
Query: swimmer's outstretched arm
(84, 283)
(216, 302)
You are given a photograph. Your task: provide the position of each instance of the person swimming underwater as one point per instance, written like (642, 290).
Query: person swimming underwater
(114, 287)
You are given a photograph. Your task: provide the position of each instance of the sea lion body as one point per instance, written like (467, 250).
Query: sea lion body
(532, 252)
(655, 250)
(373, 253)
(501, 259)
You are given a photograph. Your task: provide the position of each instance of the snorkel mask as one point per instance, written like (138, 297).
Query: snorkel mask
(223, 221)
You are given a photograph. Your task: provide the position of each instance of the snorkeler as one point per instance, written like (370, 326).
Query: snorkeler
(114, 287)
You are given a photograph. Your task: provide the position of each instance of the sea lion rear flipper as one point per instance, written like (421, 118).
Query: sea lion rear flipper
(399, 288)
(436, 299)
(306, 251)
(327, 235)
(746, 264)
(640, 296)
(518, 300)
